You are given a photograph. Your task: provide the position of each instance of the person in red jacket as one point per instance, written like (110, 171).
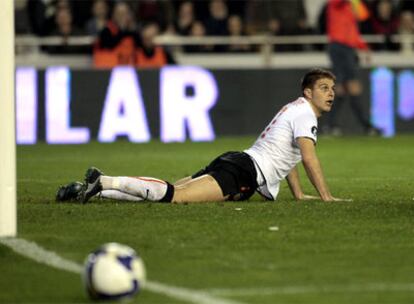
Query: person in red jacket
(116, 43)
(344, 41)
(148, 54)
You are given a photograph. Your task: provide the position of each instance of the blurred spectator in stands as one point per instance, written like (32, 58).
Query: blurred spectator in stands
(159, 11)
(344, 41)
(292, 15)
(185, 18)
(122, 25)
(300, 28)
(198, 30)
(66, 29)
(258, 16)
(406, 30)
(216, 23)
(278, 18)
(100, 12)
(274, 26)
(81, 12)
(117, 41)
(41, 16)
(236, 29)
(63, 4)
(383, 20)
(275, 29)
(149, 55)
(259, 13)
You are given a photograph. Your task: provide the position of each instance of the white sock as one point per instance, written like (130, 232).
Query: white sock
(118, 195)
(147, 188)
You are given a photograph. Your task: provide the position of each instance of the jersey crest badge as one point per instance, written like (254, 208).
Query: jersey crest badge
(314, 131)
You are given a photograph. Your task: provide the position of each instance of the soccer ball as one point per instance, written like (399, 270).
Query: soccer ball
(113, 271)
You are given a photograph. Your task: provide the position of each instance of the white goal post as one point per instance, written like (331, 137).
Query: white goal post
(8, 221)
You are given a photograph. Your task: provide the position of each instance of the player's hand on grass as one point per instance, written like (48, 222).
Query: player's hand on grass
(329, 198)
(306, 197)
(337, 199)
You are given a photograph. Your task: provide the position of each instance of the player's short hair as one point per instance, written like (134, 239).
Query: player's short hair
(311, 77)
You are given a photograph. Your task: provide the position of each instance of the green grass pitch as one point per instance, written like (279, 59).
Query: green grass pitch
(333, 253)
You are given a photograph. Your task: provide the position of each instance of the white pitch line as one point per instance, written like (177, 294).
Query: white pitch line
(35, 252)
(294, 290)
(198, 297)
(210, 296)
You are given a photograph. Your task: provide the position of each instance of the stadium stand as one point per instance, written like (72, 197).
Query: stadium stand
(189, 29)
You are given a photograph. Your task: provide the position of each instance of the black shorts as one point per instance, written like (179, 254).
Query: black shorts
(235, 173)
(345, 63)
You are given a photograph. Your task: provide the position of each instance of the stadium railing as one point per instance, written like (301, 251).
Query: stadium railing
(28, 51)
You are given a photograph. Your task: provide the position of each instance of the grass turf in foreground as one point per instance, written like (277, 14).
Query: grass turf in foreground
(359, 252)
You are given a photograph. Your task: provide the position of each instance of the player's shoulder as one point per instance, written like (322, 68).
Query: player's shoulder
(301, 107)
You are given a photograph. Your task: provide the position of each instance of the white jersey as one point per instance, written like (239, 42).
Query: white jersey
(276, 151)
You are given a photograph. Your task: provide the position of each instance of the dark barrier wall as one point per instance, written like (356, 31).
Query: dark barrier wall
(63, 106)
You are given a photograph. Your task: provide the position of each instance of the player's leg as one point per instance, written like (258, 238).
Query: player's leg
(183, 180)
(132, 186)
(146, 188)
(149, 188)
(121, 196)
(204, 188)
(229, 175)
(118, 195)
(200, 189)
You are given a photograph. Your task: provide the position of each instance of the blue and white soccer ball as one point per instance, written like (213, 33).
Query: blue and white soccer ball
(113, 271)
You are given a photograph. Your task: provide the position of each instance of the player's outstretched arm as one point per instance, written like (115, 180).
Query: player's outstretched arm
(314, 170)
(295, 186)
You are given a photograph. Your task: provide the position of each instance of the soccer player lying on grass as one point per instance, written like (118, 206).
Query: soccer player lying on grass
(288, 139)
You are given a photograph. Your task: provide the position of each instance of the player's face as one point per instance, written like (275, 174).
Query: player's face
(322, 95)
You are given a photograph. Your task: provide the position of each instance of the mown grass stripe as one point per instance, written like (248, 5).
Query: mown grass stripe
(295, 290)
(37, 253)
